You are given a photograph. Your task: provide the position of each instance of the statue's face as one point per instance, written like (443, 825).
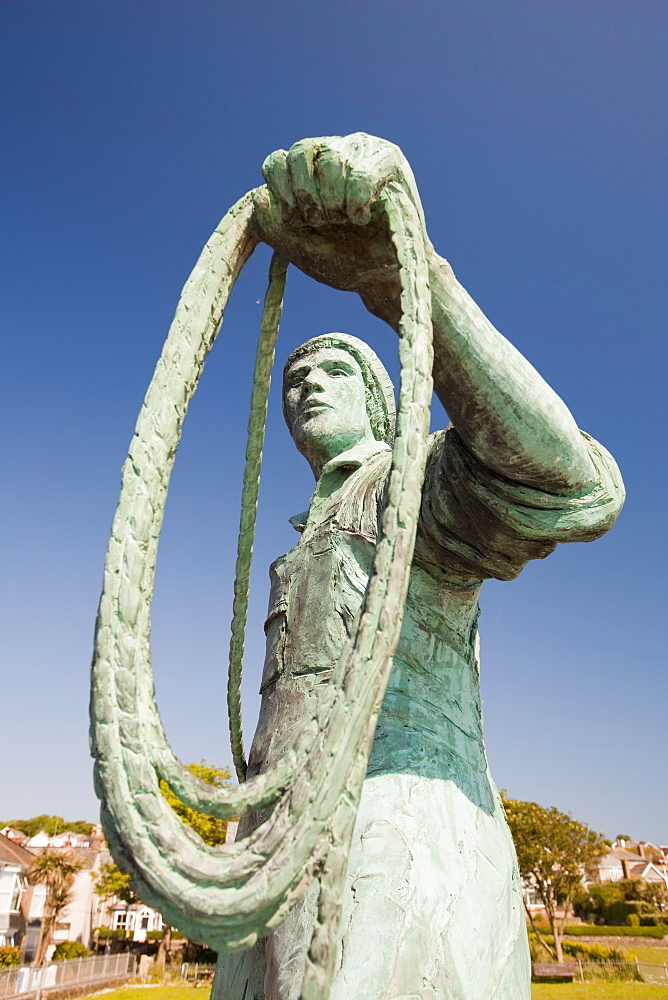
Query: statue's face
(325, 403)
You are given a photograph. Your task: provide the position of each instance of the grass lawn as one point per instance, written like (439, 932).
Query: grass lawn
(539, 991)
(598, 991)
(646, 953)
(168, 991)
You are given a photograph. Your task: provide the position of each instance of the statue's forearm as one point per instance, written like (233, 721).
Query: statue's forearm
(505, 413)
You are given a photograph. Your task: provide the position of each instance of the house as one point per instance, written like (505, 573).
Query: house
(136, 919)
(79, 918)
(59, 840)
(22, 906)
(629, 860)
(15, 861)
(18, 836)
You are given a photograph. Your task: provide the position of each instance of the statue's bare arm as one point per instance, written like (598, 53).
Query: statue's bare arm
(505, 413)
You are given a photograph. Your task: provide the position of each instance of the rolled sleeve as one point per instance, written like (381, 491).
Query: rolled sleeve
(476, 524)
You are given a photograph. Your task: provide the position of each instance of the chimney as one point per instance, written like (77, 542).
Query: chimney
(625, 868)
(641, 850)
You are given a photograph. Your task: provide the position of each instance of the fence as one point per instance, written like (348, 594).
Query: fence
(653, 973)
(624, 971)
(31, 981)
(197, 970)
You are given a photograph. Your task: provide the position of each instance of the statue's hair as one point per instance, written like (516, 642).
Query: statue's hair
(377, 383)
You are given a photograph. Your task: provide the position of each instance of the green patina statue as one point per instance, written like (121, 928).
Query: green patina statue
(373, 860)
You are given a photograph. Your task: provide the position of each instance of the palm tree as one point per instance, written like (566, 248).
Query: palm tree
(57, 870)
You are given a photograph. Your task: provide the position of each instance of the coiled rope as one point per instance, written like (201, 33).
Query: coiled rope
(228, 896)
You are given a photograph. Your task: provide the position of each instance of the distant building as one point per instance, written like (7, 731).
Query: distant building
(79, 918)
(17, 836)
(136, 919)
(59, 840)
(630, 859)
(15, 861)
(84, 914)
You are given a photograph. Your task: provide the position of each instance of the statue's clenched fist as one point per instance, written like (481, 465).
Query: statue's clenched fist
(319, 209)
(335, 179)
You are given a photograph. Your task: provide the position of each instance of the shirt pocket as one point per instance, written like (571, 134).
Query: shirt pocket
(275, 627)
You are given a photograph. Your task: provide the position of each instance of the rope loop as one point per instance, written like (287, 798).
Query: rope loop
(228, 896)
(264, 363)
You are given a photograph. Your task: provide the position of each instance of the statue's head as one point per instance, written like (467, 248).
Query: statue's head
(336, 394)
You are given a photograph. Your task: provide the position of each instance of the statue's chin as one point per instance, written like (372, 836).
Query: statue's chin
(319, 442)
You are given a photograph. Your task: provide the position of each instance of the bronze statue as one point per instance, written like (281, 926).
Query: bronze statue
(374, 860)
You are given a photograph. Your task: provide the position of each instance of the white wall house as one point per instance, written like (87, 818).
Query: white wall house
(621, 863)
(22, 906)
(14, 864)
(136, 919)
(12, 884)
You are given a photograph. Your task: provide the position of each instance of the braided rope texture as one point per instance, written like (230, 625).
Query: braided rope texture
(264, 363)
(230, 895)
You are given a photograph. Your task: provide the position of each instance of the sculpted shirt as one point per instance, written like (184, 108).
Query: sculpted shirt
(473, 525)
(432, 872)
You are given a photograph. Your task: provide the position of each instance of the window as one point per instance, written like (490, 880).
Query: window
(11, 889)
(120, 921)
(38, 901)
(7, 880)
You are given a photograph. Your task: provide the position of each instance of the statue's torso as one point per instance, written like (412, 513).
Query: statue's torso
(432, 909)
(430, 722)
(428, 809)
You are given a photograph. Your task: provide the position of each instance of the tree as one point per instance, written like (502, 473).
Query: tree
(50, 824)
(212, 831)
(554, 852)
(56, 870)
(655, 893)
(111, 883)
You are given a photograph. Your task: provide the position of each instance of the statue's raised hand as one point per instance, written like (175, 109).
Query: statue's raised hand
(334, 179)
(321, 208)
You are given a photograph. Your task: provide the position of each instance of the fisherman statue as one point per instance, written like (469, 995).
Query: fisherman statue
(373, 860)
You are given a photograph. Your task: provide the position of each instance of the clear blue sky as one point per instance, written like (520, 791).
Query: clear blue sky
(536, 130)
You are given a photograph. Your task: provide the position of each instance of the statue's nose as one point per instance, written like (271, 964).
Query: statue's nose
(314, 380)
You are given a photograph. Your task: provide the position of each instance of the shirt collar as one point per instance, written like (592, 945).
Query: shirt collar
(348, 460)
(355, 457)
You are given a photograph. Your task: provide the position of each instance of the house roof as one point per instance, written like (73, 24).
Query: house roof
(648, 871)
(86, 855)
(624, 853)
(13, 853)
(14, 834)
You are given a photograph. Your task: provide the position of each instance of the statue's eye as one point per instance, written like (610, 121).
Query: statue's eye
(337, 372)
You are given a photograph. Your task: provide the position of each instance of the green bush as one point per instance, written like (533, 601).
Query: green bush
(633, 920)
(578, 949)
(597, 930)
(106, 934)
(70, 949)
(617, 912)
(655, 920)
(9, 955)
(154, 935)
(596, 952)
